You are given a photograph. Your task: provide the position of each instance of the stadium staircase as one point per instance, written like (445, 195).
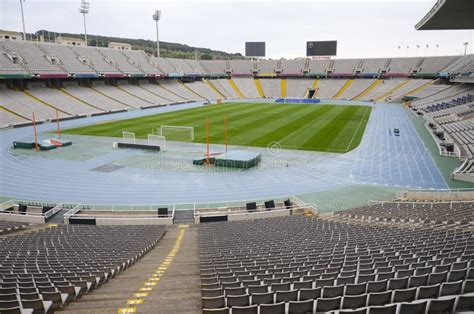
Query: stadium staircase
(259, 88)
(192, 91)
(178, 289)
(133, 95)
(367, 90)
(283, 87)
(44, 103)
(381, 98)
(343, 88)
(184, 217)
(214, 88)
(62, 90)
(153, 93)
(236, 89)
(116, 100)
(14, 113)
(420, 87)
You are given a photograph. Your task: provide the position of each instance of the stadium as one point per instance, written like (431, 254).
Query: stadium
(135, 178)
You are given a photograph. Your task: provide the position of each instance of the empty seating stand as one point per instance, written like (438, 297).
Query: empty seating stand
(298, 265)
(43, 270)
(7, 226)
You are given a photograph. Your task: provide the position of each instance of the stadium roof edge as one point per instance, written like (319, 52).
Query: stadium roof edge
(448, 15)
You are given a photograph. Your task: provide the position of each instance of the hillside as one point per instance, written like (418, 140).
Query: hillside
(168, 50)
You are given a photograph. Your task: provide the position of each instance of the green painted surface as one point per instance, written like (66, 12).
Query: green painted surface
(327, 128)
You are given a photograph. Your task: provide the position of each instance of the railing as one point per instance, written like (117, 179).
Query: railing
(439, 194)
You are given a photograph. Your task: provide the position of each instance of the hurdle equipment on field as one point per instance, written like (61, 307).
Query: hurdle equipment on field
(130, 141)
(45, 144)
(234, 159)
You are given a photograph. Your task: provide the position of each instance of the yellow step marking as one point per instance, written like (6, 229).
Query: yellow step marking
(259, 88)
(367, 90)
(145, 289)
(214, 88)
(155, 277)
(343, 88)
(419, 88)
(235, 88)
(392, 90)
(283, 88)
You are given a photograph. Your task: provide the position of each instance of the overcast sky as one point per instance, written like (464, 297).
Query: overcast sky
(371, 28)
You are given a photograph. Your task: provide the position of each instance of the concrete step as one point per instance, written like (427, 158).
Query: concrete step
(178, 291)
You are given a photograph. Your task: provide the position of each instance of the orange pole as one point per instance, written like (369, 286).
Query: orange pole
(36, 134)
(225, 132)
(207, 141)
(57, 124)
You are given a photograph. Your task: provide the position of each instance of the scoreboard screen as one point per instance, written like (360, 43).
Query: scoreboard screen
(255, 49)
(321, 48)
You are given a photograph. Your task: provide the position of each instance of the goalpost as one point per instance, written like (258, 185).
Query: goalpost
(128, 137)
(174, 132)
(157, 140)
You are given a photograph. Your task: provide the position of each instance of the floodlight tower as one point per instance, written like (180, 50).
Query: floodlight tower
(156, 18)
(84, 9)
(23, 19)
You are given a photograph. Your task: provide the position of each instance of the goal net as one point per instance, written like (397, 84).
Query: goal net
(175, 133)
(128, 137)
(157, 140)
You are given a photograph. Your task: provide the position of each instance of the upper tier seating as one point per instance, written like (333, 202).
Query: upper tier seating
(318, 66)
(241, 66)
(464, 64)
(215, 66)
(345, 66)
(46, 269)
(48, 58)
(67, 58)
(374, 65)
(96, 60)
(31, 57)
(293, 66)
(436, 64)
(181, 65)
(267, 66)
(142, 61)
(119, 60)
(403, 65)
(310, 265)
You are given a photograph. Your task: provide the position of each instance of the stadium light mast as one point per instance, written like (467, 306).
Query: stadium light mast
(23, 19)
(156, 18)
(84, 9)
(465, 47)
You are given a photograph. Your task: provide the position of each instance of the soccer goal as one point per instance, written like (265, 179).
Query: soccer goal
(175, 133)
(157, 140)
(128, 137)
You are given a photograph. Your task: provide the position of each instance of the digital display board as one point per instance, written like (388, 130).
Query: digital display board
(321, 48)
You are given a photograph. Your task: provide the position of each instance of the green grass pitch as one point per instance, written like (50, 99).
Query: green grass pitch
(328, 128)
